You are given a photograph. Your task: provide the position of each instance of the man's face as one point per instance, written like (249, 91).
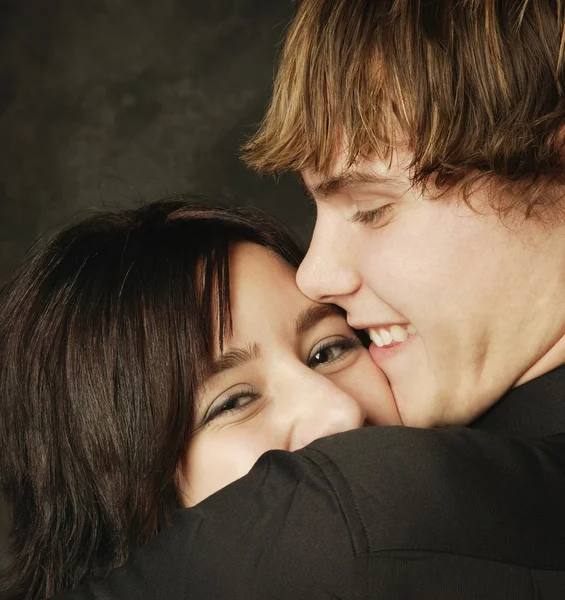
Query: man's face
(454, 299)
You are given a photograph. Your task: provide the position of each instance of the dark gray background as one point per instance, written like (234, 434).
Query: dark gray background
(114, 102)
(109, 102)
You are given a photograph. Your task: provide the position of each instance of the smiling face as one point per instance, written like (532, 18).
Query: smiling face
(291, 372)
(460, 306)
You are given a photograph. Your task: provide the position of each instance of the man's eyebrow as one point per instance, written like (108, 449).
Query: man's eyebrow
(335, 184)
(312, 315)
(234, 358)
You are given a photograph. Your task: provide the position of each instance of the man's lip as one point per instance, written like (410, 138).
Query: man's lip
(382, 355)
(373, 326)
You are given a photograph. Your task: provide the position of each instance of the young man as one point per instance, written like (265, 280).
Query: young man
(430, 136)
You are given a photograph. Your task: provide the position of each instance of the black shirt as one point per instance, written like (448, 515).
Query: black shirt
(379, 513)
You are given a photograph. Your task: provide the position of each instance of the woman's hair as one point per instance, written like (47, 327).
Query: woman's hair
(475, 87)
(105, 334)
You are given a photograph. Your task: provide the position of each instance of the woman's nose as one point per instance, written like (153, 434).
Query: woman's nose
(319, 408)
(327, 272)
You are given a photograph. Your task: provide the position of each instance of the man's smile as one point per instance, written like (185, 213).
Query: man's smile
(389, 335)
(389, 341)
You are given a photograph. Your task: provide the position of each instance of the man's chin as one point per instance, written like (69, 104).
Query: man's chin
(414, 409)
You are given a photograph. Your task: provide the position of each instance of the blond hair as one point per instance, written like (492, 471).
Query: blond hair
(474, 87)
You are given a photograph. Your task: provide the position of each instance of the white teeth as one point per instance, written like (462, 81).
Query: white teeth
(386, 337)
(399, 334)
(375, 338)
(396, 333)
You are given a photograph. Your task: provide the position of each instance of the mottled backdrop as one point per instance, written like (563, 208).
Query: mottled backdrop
(108, 102)
(112, 102)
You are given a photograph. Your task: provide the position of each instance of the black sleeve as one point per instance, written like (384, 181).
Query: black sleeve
(350, 516)
(284, 514)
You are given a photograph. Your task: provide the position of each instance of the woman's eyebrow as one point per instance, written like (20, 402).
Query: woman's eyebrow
(307, 318)
(311, 316)
(234, 358)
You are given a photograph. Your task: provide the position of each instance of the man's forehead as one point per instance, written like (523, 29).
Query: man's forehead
(364, 172)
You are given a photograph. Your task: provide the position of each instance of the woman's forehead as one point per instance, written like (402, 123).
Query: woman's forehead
(264, 297)
(253, 265)
(245, 293)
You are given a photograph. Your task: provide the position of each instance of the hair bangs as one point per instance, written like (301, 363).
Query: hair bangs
(473, 89)
(329, 97)
(214, 303)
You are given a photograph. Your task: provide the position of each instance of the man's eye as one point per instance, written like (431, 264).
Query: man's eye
(331, 352)
(371, 217)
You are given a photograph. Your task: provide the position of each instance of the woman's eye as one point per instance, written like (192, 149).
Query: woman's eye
(371, 217)
(332, 351)
(235, 402)
(231, 404)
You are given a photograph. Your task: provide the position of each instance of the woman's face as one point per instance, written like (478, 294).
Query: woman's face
(291, 372)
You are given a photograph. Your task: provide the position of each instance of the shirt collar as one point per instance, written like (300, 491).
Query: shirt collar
(535, 408)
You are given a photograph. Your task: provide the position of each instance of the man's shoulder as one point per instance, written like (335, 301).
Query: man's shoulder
(452, 490)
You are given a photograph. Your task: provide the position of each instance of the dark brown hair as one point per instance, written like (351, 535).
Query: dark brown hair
(474, 87)
(105, 333)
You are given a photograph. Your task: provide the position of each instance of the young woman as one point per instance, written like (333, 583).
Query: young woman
(147, 359)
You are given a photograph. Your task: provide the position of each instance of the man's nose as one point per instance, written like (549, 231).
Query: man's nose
(327, 271)
(319, 408)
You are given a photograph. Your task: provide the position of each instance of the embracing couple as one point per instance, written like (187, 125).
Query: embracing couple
(162, 358)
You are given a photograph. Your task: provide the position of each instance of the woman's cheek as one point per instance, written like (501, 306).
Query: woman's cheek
(219, 457)
(368, 385)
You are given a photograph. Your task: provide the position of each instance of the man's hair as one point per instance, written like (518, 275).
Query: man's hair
(105, 334)
(475, 87)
